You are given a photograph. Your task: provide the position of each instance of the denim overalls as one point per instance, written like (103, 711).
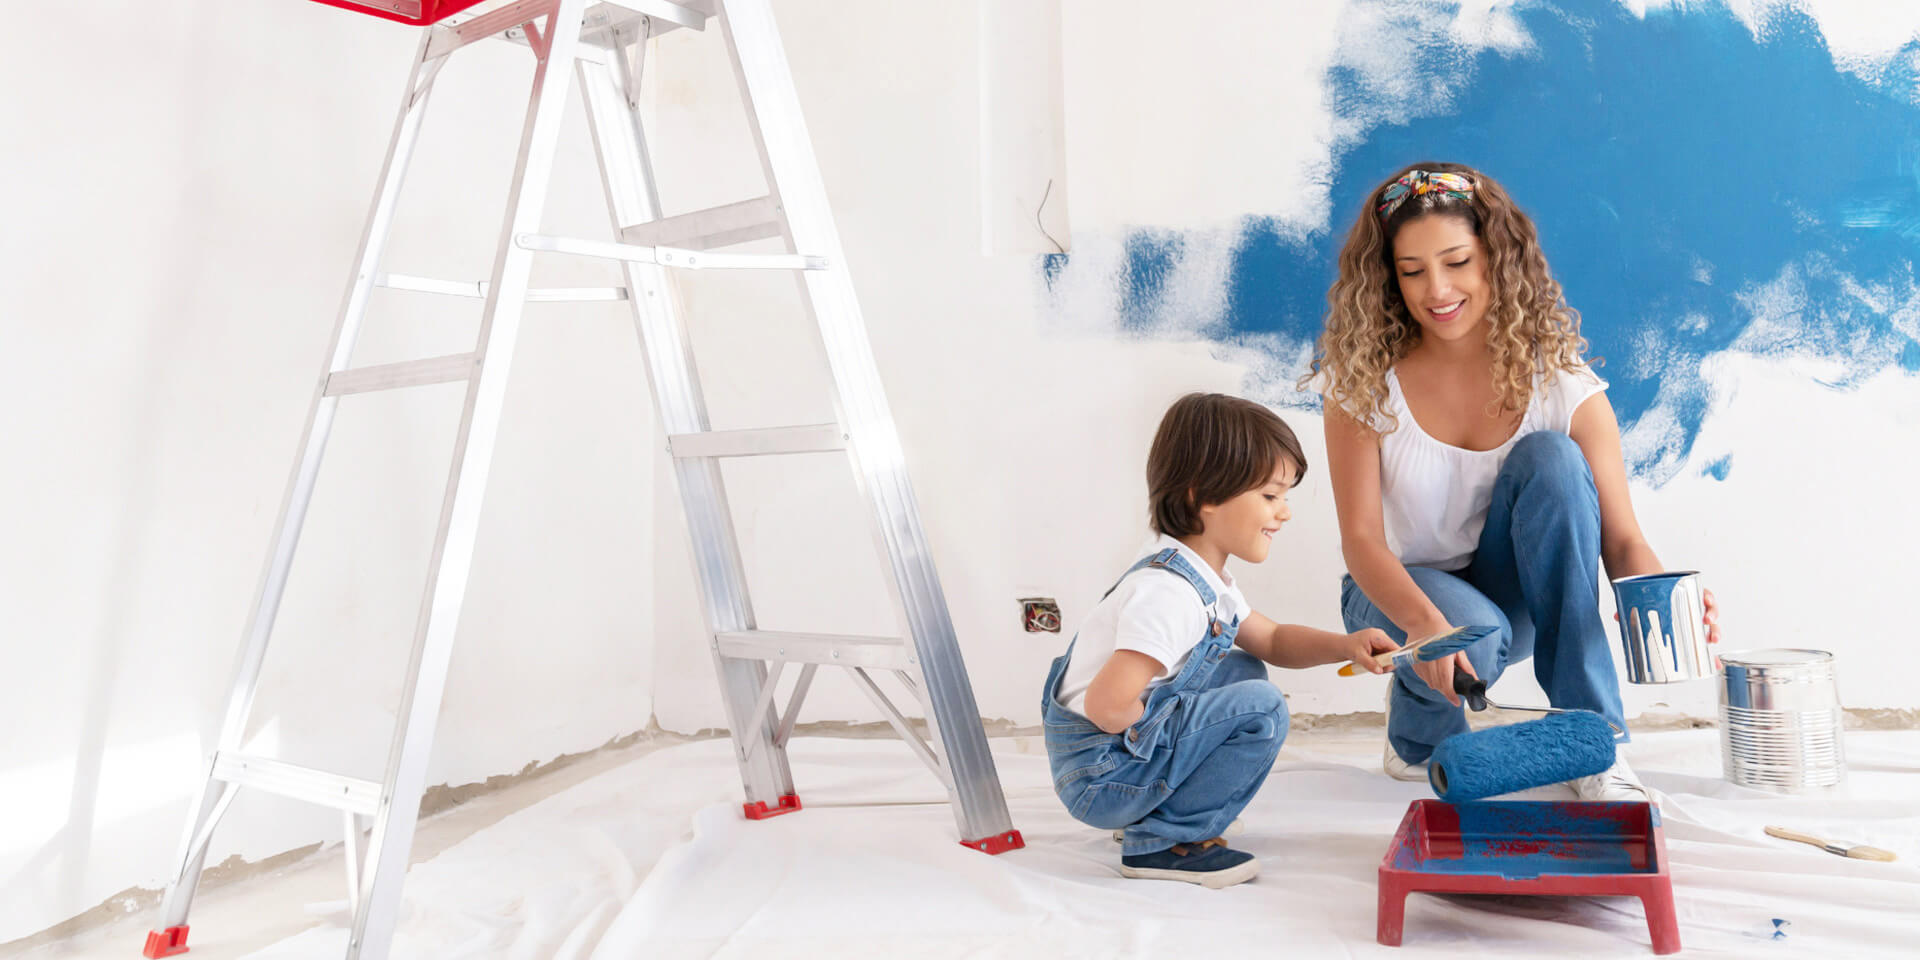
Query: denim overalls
(1187, 768)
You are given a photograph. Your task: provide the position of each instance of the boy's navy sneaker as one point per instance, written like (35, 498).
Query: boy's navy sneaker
(1210, 863)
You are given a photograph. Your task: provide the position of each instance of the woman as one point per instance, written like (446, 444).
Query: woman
(1474, 457)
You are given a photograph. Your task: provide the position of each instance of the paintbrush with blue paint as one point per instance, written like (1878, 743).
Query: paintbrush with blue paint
(1429, 648)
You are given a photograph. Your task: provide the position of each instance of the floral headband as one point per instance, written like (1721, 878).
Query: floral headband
(1417, 182)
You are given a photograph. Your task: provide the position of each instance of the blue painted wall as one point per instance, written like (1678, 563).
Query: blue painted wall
(1697, 190)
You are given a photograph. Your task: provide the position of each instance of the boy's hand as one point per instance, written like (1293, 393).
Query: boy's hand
(1361, 646)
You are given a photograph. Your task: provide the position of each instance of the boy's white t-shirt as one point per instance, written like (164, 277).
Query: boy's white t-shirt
(1153, 611)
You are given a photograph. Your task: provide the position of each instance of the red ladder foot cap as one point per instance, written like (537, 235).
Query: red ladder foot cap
(166, 943)
(758, 809)
(998, 843)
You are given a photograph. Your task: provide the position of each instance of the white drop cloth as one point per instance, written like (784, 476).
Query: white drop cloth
(654, 860)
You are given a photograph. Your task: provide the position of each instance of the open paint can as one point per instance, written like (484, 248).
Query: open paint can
(1780, 719)
(1660, 627)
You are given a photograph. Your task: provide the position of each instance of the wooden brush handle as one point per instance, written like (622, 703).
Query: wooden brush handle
(1785, 834)
(1383, 659)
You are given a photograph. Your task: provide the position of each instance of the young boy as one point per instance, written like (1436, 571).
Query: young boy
(1154, 722)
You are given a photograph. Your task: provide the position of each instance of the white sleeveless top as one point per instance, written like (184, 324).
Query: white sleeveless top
(1434, 496)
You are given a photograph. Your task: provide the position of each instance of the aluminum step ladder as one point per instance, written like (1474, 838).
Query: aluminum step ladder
(607, 43)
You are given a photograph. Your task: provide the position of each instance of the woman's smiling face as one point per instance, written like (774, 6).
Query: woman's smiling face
(1441, 268)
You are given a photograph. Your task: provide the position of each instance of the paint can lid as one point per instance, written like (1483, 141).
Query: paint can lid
(1776, 657)
(1651, 577)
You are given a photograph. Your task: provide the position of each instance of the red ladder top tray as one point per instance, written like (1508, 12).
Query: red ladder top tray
(417, 12)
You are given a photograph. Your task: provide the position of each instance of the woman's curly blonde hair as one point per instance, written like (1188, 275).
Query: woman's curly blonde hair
(1530, 328)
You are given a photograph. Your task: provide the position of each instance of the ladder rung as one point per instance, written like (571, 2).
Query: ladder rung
(599, 29)
(817, 438)
(885, 653)
(300, 783)
(451, 35)
(478, 289)
(669, 256)
(406, 373)
(705, 229)
(603, 18)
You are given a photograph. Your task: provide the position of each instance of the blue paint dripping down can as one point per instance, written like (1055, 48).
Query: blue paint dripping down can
(1661, 629)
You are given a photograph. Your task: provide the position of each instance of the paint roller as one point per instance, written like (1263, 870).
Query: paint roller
(1563, 745)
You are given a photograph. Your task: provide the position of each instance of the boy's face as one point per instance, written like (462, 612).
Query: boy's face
(1245, 525)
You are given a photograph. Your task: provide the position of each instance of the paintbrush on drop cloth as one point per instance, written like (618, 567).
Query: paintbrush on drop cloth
(1856, 851)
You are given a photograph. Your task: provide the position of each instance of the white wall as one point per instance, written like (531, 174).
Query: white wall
(190, 183)
(186, 186)
(1027, 414)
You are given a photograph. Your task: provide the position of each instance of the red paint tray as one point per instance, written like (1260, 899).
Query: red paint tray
(1547, 849)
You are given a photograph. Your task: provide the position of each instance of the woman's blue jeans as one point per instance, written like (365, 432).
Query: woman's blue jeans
(1533, 575)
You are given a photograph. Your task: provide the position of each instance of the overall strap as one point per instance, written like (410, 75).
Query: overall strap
(1171, 560)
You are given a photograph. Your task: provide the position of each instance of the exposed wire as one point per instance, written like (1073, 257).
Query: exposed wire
(1057, 248)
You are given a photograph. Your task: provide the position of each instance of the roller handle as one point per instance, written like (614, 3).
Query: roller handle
(1472, 688)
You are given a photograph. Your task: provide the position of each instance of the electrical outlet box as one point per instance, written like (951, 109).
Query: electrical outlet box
(1040, 614)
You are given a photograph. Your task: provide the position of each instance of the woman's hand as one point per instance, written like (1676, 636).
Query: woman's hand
(1709, 619)
(1439, 673)
(1361, 646)
(1712, 617)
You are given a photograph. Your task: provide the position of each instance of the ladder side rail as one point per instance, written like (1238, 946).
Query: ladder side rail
(613, 112)
(271, 587)
(389, 847)
(879, 466)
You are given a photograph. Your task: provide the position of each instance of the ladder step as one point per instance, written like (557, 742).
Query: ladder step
(605, 24)
(406, 373)
(705, 229)
(669, 256)
(478, 289)
(884, 653)
(452, 34)
(300, 783)
(815, 438)
(603, 19)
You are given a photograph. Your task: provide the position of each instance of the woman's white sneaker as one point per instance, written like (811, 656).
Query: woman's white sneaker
(1390, 761)
(1616, 784)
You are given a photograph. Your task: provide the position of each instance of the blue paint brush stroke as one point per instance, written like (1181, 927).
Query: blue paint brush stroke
(1672, 164)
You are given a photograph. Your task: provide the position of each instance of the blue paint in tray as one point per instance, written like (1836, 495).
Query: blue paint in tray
(1520, 840)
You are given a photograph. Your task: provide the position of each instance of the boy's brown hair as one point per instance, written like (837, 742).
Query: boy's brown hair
(1209, 449)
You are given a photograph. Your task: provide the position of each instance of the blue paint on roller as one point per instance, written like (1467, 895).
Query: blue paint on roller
(1488, 763)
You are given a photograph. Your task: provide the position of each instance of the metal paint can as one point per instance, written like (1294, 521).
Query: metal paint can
(1780, 719)
(1660, 627)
